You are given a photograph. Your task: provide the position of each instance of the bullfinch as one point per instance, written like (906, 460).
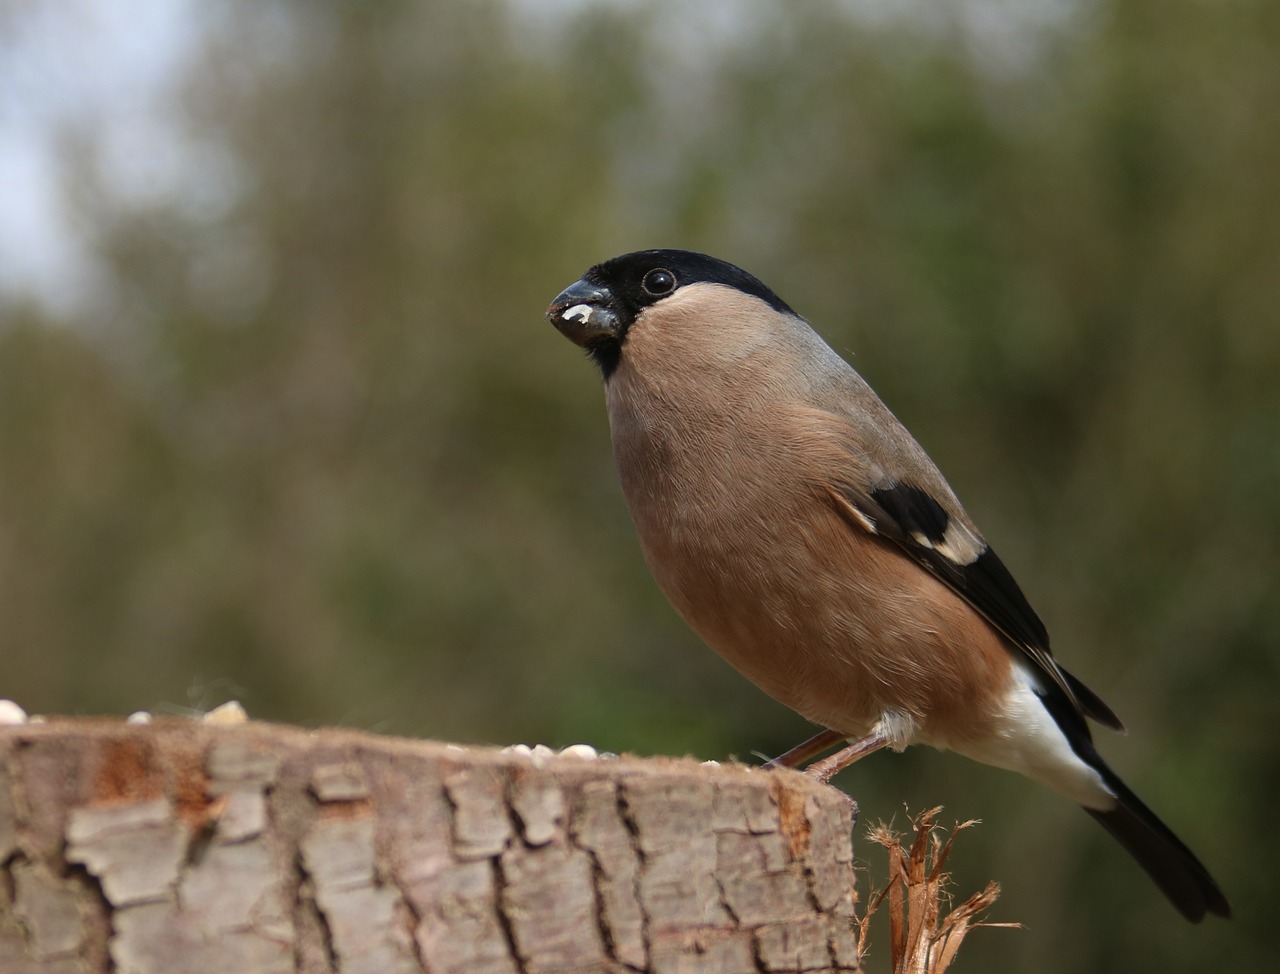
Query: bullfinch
(803, 533)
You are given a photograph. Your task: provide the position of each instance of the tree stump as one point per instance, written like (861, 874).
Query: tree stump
(178, 847)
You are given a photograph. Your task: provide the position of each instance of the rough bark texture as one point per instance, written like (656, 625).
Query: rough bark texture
(253, 849)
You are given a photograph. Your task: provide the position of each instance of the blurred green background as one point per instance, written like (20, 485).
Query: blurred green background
(281, 420)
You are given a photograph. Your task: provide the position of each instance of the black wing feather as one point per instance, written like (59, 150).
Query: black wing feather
(914, 520)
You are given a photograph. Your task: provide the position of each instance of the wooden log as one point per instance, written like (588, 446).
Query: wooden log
(180, 847)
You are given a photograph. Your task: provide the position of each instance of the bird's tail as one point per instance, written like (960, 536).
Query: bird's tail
(1174, 867)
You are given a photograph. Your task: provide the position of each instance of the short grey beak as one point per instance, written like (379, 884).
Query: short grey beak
(585, 314)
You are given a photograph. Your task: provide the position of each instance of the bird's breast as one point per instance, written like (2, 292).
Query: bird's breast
(736, 527)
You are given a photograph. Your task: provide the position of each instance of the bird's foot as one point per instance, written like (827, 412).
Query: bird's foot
(803, 753)
(826, 769)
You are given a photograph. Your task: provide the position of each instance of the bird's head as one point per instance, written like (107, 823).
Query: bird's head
(598, 310)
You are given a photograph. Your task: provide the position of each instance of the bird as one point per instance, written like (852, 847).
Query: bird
(805, 536)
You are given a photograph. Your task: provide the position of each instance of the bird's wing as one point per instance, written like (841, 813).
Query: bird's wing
(914, 520)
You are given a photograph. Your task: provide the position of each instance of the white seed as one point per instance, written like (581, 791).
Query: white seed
(231, 712)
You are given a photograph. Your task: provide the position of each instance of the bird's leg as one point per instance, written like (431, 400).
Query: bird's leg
(824, 770)
(811, 748)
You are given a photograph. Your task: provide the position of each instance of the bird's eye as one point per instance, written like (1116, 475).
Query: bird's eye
(658, 282)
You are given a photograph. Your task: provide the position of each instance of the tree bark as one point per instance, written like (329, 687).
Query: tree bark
(179, 847)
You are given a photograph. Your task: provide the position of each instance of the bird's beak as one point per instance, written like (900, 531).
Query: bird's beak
(586, 314)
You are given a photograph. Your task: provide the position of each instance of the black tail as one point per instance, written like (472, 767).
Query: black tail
(1173, 866)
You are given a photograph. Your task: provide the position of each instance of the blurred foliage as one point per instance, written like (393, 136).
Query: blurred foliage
(313, 445)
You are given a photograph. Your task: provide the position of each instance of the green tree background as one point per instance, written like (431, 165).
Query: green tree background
(312, 445)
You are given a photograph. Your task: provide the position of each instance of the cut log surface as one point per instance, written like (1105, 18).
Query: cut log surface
(179, 847)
